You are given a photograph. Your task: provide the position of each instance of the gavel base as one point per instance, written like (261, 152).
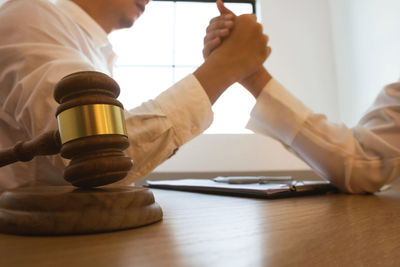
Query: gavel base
(64, 210)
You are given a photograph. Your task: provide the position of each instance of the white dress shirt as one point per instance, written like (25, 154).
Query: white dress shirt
(42, 42)
(361, 159)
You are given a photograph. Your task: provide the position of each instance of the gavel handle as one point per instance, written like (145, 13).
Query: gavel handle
(48, 143)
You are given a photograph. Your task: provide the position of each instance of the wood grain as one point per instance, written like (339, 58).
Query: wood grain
(58, 210)
(210, 230)
(96, 160)
(46, 144)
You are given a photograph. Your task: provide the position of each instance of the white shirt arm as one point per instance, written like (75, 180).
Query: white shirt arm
(361, 159)
(42, 49)
(159, 127)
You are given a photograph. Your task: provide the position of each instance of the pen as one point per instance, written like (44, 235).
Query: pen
(253, 179)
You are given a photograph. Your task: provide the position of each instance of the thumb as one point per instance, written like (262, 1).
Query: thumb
(222, 8)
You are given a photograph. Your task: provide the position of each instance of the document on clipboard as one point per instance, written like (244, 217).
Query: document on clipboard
(259, 189)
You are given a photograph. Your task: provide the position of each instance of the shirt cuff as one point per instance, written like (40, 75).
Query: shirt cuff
(188, 107)
(278, 113)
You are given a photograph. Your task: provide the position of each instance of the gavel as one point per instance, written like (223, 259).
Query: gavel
(91, 132)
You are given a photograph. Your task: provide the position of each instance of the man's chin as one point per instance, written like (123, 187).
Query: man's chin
(126, 23)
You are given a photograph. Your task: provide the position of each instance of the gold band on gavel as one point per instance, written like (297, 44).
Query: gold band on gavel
(88, 120)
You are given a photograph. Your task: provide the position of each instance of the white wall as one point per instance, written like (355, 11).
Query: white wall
(366, 45)
(232, 153)
(302, 52)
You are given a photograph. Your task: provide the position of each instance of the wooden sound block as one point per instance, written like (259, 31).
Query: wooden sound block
(61, 210)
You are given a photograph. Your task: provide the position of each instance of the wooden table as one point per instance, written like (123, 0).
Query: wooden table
(210, 230)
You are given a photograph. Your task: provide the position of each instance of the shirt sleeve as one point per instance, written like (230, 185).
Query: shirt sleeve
(356, 160)
(159, 127)
(35, 58)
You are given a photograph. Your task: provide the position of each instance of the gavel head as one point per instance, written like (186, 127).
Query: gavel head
(92, 129)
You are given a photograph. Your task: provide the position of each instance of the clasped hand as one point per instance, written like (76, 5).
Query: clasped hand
(241, 43)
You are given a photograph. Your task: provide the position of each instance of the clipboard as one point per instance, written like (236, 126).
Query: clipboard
(254, 190)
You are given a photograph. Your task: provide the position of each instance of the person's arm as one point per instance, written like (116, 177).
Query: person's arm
(35, 58)
(218, 30)
(357, 160)
(241, 54)
(159, 127)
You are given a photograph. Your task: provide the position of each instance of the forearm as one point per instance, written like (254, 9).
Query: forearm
(159, 127)
(241, 54)
(255, 82)
(358, 160)
(215, 78)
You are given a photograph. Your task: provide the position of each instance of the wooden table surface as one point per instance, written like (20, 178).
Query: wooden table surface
(210, 230)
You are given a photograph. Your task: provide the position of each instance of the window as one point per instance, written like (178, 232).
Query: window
(164, 46)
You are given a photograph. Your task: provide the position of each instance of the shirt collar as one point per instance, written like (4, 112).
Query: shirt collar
(85, 21)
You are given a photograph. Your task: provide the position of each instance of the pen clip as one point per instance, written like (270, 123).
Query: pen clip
(254, 179)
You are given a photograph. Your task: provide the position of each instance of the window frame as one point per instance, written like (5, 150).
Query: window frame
(252, 2)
